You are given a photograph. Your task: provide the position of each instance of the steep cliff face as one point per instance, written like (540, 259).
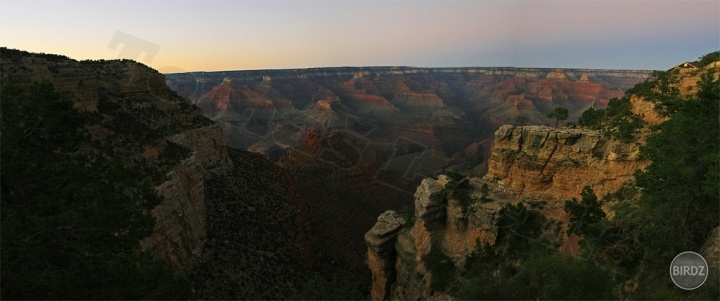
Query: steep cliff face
(181, 218)
(381, 253)
(558, 163)
(230, 222)
(148, 124)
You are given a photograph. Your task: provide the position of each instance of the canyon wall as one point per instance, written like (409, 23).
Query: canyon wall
(145, 122)
(443, 110)
(180, 226)
(558, 163)
(415, 121)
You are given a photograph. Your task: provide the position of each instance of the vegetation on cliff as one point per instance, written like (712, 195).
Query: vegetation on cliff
(458, 187)
(532, 275)
(680, 202)
(559, 113)
(616, 120)
(628, 238)
(72, 215)
(678, 205)
(708, 58)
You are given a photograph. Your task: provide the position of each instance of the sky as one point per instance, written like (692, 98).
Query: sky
(194, 35)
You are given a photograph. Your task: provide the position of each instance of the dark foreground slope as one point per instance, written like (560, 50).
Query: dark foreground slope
(89, 167)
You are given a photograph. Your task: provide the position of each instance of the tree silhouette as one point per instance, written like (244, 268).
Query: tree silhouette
(559, 113)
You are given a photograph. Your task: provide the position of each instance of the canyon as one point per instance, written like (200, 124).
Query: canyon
(413, 119)
(268, 178)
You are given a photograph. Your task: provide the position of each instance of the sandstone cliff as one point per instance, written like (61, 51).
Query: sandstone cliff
(530, 165)
(558, 163)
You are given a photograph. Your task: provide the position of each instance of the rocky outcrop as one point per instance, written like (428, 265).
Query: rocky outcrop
(84, 81)
(430, 202)
(181, 218)
(527, 164)
(558, 163)
(381, 253)
(396, 247)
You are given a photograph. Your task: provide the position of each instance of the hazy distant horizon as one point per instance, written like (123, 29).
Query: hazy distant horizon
(411, 67)
(210, 36)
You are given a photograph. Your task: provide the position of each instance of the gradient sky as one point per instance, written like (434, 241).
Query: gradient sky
(196, 35)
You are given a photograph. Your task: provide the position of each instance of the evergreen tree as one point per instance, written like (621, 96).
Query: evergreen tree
(680, 188)
(559, 114)
(586, 214)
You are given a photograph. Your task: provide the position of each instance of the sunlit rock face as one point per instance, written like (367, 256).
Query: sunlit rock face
(560, 162)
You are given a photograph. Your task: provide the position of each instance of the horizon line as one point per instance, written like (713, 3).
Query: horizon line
(412, 67)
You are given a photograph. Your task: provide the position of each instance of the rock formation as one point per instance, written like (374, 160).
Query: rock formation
(181, 218)
(381, 253)
(558, 163)
(527, 164)
(396, 246)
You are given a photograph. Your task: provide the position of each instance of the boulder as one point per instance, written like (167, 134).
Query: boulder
(429, 201)
(381, 236)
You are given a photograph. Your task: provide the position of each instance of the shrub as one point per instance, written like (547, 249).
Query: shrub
(458, 187)
(617, 119)
(708, 58)
(320, 288)
(441, 267)
(520, 229)
(592, 118)
(538, 276)
(586, 214)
